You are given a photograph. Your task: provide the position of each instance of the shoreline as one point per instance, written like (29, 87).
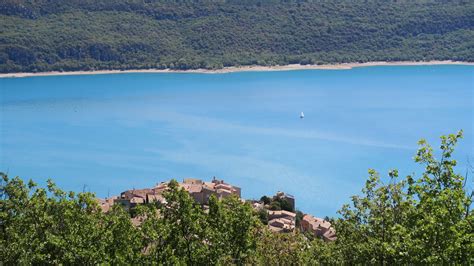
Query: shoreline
(342, 66)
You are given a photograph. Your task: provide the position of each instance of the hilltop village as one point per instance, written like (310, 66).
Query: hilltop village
(278, 212)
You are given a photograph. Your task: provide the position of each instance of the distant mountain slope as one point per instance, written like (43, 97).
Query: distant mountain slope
(44, 35)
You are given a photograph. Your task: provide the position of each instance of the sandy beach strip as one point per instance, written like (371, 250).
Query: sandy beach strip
(239, 68)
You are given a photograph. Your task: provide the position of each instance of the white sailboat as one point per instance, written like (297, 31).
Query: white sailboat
(302, 115)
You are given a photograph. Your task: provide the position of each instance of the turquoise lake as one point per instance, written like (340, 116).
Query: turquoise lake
(109, 133)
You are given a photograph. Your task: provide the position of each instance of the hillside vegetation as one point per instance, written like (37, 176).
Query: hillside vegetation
(44, 35)
(422, 219)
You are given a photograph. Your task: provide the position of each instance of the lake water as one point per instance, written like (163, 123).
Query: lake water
(109, 133)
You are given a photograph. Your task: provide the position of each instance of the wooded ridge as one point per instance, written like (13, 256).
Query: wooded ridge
(45, 35)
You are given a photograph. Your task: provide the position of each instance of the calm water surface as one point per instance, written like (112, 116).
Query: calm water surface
(109, 133)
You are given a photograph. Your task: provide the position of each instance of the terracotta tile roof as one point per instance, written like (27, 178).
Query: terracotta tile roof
(220, 185)
(319, 227)
(281, 221)
(129, 194)
(192, 188)
(192, 181)
(161, 186)
(223, 186)
(104, 205)
(316, 222)
(111, 200)
(223, 191)
(330, 235)
(209, 184)
(137, 200)
(199, 190)
(282, 213)
(283, 224)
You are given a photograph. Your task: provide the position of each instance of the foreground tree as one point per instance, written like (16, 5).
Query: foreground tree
(40, 226)
(181, 229)
(232, 229)
(424, 220)
(281, 248)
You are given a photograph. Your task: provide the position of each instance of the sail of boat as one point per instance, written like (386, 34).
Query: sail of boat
(302, 115)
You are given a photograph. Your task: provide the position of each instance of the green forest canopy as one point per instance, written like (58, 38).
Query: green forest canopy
(65, 35)
(413, 220)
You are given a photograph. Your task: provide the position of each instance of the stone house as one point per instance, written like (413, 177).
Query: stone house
(318, 227)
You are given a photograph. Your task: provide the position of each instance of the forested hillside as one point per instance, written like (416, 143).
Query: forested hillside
(43, 35)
